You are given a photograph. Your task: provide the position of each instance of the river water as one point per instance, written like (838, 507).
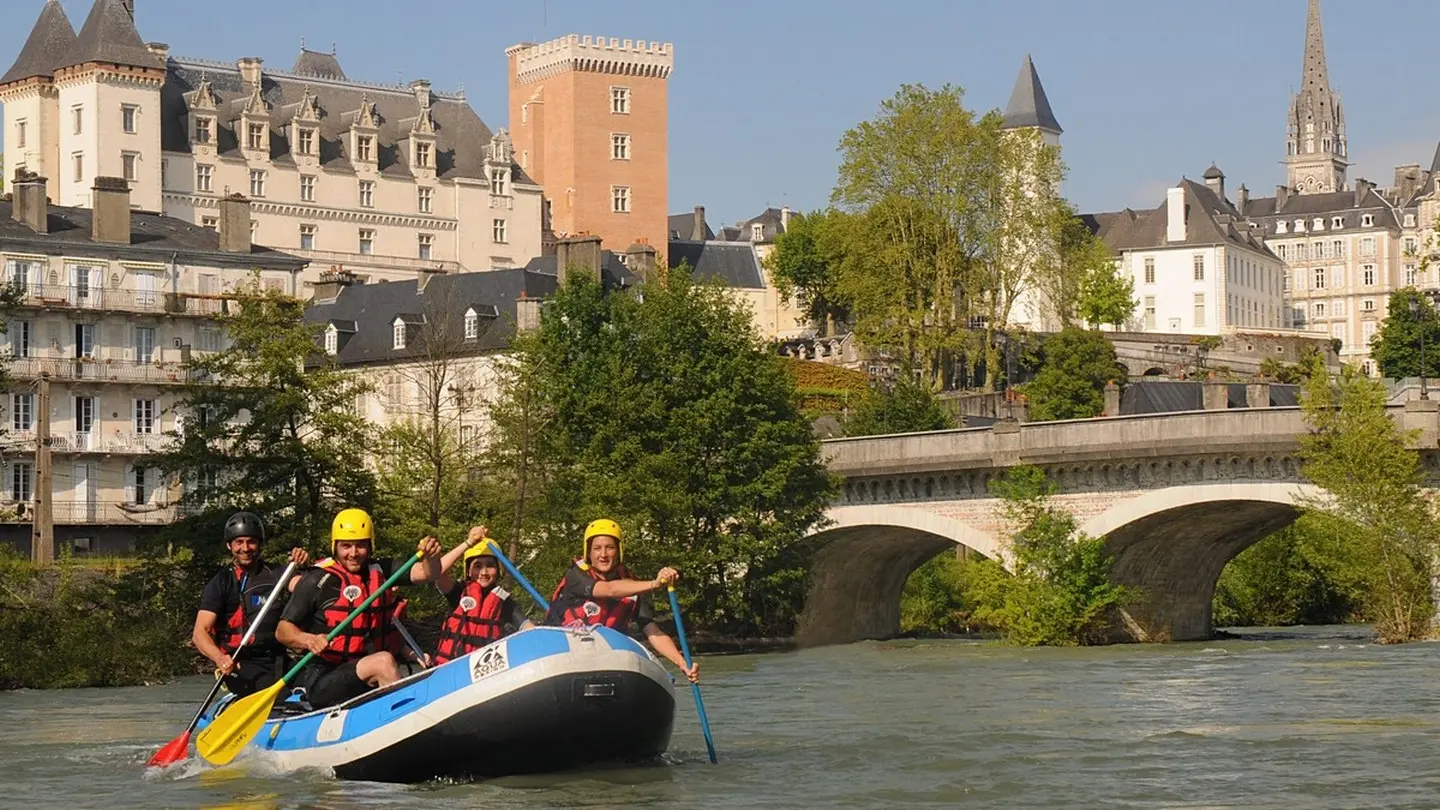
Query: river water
(1313, 718)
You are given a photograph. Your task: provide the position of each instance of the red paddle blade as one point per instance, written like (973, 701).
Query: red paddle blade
(174, 751)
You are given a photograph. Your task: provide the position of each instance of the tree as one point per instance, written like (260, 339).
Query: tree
(1077, 365)
(1374, 496)
(908, 406)
(270, 426)
(661, 413)
(1107, 296)
(1397, 346)
(808, 259)
(1299, 575)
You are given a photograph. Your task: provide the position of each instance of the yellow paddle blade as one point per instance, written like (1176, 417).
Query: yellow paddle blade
(222, 740)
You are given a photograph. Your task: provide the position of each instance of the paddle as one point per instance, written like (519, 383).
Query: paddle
(179, 748)
(410, 640)
(685, 649)
(515, 572)
(222, 740)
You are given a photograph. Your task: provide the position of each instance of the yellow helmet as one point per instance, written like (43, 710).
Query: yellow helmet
(351, 525)
(481, 550)
(602, 527)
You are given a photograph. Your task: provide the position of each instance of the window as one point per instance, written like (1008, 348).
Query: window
(1337, 222)
(127, 162)
(367, 241)
(305, 143)
(1410, 275)
(620, 100)
(1319, 278)
(255, 136)
(1367, 220)
(20, 134)
(364, 148)
(1410, 246)
(332, 340)
(620, 199)
(367, 193)
(1198, 263)
(77, 119)
(1199, 309)
(497, 181)
(426, 242)
(137, 484)
(1337, 330)
(1280, 226)
(22, 412)
(398, 334)
(1149, 269)
(144, 416)
(1337, 248)
(145, 344)
(20, 273)
(210, 222)
(1299, 226)
(307, 188)
(1282, 251)
(1367, 273)
(78, 159)
(208, 339)
(422, 155)
(425, 199)
(1409, 220)
(1367, 246)
(1368, 305)
(85, 340)
(204, 177)
(1318, 224)
(20, 475)
(757, 232)
(619, 146)
(1285, 282)
(19, 338)
(257, 183)
(84, 414)
(1150, 312)
(202, 130)
(127, 117)
(1320, 309)
(307, 237)
(498, 233)
(472, 325)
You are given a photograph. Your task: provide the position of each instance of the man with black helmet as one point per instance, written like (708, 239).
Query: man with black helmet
(232, 600)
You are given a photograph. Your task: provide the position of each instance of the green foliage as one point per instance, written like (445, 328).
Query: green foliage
(908, 406)
(1374, 498)
(271, 427)
(1293, 373)
(654, 409)
(1397, 346)
(1301, 574)
(936, 597)
(808, 259)
(1107, 296)
(1071, 382)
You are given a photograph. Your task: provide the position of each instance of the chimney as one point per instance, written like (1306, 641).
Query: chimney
(577, 254)
(159, 49)
(1362, 190)
(784, 218)
(1215, 394)
(250, 72)
(697, 231)
(1112, 399)
(110, 211)
(1242, 198)
(331, 282)
(1282, 195)
(234, 224)
(640, 258)
(1175, 215)
(29, 205)
(527, 314)
(421, 89)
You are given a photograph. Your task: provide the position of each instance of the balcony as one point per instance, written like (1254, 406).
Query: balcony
(74, 512)
(86, 369)
(130, 444)
(99, 299)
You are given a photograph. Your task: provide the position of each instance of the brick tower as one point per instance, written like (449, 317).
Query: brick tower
(589, 120)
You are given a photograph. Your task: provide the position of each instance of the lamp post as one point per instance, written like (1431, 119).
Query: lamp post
(1415, 313)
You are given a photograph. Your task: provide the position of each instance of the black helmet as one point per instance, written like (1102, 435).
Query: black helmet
(244, 524)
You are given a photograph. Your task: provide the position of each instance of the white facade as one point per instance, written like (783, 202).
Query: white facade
(1205, 290)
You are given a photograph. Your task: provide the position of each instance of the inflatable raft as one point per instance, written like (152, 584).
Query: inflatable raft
(544, 699)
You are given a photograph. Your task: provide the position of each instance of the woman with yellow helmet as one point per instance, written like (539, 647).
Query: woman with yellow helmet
(481, 611)
(599, 589)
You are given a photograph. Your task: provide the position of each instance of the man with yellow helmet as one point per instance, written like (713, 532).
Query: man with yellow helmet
(481, 611)
(356, 660)
(599, 589)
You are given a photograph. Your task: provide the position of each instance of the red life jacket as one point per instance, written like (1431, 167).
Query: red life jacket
(248, 592)
(567, 611)
(475, 622)
(371, 631)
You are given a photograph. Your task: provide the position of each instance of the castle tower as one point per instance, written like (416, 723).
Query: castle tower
(1030, 126)
(32, 104)
(1315, 161)
(109, 108)
(589, 122)
(1029, 108)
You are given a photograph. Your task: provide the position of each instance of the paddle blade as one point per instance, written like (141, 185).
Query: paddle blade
(174, 751)
(222, 740)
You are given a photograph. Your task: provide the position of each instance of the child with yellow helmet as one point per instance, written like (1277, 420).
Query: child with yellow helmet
(481, 611)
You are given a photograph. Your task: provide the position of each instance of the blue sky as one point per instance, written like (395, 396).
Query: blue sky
(762, 90)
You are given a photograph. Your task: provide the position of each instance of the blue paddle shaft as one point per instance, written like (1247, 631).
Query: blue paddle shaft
(694, 687)
(519, 577)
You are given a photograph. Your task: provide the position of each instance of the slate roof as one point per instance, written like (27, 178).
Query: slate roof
(47, 48)
(364, 313)
(153, 237)
(734, 264)
(770, 218)
(1209, 220)
(613, 272)
(1029, 106)
(109, 36)
(461, 138)
(321, 65)
(682, 226)
(1171, 396)
(1347, 204)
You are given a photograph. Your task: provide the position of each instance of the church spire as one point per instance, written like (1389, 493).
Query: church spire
(1316, 147)
(1029, 107)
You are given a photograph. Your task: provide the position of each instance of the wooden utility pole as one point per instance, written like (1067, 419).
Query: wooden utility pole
(42, 541)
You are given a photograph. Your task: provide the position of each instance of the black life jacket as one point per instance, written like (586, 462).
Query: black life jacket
(248, 592)
(567, 611)
(371, 631)
(475, 622)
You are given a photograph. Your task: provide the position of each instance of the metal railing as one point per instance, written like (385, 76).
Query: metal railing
(94, 512)
(127, 300)
(96, 370)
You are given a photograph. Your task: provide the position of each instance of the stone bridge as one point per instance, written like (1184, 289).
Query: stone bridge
(1176, 496)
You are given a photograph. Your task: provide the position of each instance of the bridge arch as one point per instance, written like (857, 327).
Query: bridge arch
(867, 552)
(1171, 544)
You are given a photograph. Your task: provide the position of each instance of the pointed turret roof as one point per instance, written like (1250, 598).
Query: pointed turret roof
(109, 36)
(47, 48)
(1028, 105)
(1315, 75)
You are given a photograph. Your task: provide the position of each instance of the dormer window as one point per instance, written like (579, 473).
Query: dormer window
(499, 180)
(1318, 224)
(757, 232)
(255, 136)
(332, 340)
(398, 334)
(1409, 220)
(472, 324)
(365, 148)
(305, 141)
(1280, 226)
(204, 129)
(1367, 220)
(1299, 226)
(422, 155)
(1337, 223)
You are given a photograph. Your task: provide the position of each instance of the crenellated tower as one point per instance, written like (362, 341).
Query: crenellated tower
(1317, 155)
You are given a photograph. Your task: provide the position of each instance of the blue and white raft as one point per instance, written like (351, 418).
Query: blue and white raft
(541, 700)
